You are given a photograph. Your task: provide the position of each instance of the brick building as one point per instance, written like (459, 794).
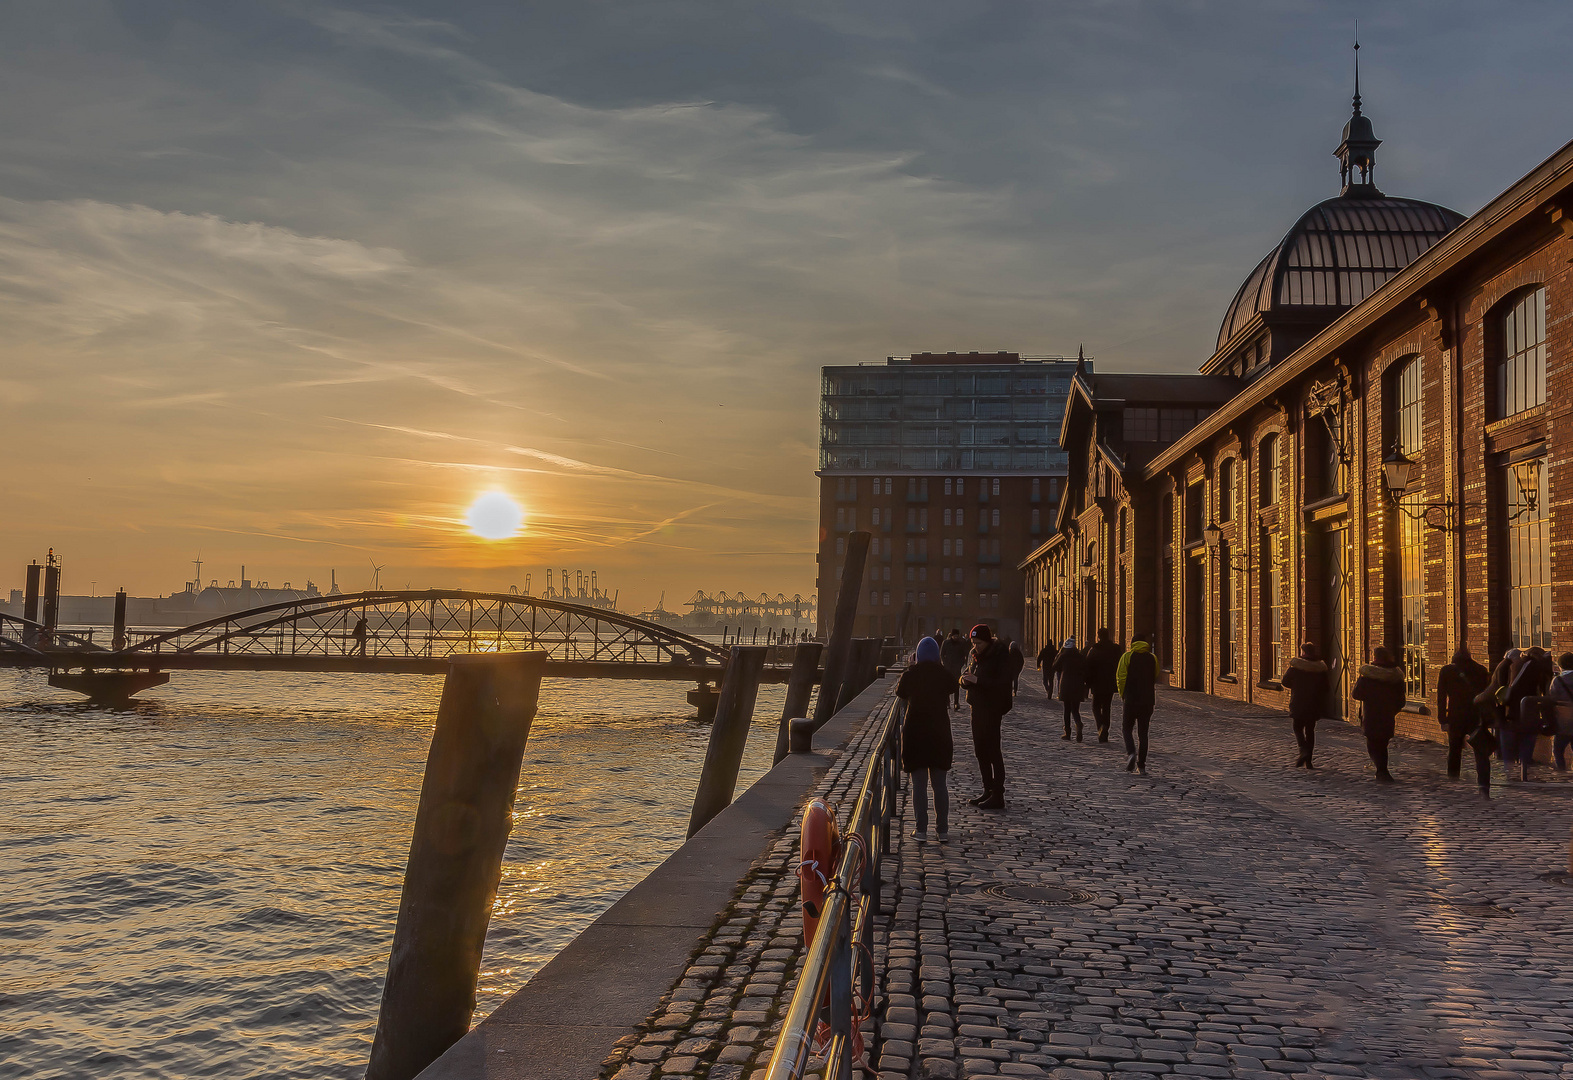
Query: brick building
(952, 461)
(1392, 466)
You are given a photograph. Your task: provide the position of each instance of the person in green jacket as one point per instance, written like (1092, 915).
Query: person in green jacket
(1137, 681)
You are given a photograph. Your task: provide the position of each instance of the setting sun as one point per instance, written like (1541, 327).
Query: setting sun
(494, 516)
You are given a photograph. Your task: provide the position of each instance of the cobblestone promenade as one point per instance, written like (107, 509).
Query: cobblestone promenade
(1246, 919)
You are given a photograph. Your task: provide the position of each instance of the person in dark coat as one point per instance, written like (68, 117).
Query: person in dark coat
(1137, 681)
(1530, 677)
(988, 681)
(1561, 695)
(926, 748)
(1046, 657)
(1306, 681)
(1070, 665)
(1457, 686)
(1103, 666)
(953, 654)
(1018, 660)
(1380, 691)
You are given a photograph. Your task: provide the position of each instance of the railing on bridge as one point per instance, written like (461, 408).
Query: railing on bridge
(430, 625)
(19, 635)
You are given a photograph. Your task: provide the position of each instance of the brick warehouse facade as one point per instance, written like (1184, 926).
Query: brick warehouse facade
(951, 461)
(1275, 519)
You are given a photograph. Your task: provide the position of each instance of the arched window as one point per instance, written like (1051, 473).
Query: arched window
(1226, 490)
(1271, 473)
(1122, 530)
(1404, 431)
(1521, 364)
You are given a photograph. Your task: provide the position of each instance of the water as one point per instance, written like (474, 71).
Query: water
(206, 885)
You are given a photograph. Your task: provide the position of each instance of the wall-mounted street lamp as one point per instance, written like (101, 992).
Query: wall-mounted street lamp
(1212, 536)
(1526, 474)
(1398, 473)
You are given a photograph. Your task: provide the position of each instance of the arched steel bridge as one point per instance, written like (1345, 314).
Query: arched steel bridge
(390, 632)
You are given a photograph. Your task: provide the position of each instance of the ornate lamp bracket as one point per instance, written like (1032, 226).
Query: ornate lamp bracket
(1329, 399)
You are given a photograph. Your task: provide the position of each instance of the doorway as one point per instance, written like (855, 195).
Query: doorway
(1195, 624)
(1334, 604)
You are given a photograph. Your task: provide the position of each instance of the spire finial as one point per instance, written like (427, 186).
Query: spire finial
(1081, 360)
(1357, 67)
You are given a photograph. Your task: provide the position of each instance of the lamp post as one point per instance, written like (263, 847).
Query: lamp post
(1212, 536)
(1398, 474)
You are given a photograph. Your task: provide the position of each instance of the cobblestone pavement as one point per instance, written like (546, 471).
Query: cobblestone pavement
(1246, 918)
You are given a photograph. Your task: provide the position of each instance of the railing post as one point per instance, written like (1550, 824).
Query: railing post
(840, 1004)
(728, 735)
(800, 685)
(461, 828)
(840, 645)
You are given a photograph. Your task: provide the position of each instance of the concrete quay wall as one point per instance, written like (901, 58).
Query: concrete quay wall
(654, 967)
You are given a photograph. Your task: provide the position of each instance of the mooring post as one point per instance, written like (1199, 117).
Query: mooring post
(859, 672)
(728, 735)
(119, 641)
(841, 630)
(800, 686)
(461, 829)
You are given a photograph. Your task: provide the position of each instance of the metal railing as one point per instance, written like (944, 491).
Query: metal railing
(841, 955)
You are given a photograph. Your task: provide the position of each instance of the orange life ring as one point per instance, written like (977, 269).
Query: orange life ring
(818, 853)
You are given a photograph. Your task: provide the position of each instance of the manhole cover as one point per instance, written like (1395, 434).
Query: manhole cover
(1041, 895)
(1484, 911)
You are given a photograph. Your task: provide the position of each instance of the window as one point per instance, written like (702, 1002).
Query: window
(994, 518)
(923, 599)
(947, 515)
(841, 545)
(1272, 605)
(1141, 425)
(841, 518)
(947, 485)
(1195, 510)
(888, 483)
(960, 576)
(947, 547)
(1037, 489)
(873, 598)
(912, 573)
(876, 517)
(959, 552)
(1404, 426)
(1228, 617)
(944, 599)
(1123, 524)
(1226, 482)
(923, 519)
(995, 484)
(1037, 520)
(911, 596)
(958, 486)
(887, 599)
(1269, 470)
(1529, 562)
(1521, 374)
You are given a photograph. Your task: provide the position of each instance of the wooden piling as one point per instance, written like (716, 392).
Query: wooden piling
(841, 630)
(800, 686)
(862, 662)
(461, 829)
(119, 641)
(728, 735)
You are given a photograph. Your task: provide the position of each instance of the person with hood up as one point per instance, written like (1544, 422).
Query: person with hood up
(926, 748)
(988, 680)
(1529, 677)
(1380, 691)
(1306, 681)
(1103, 665)
(953, 654)
(1457, 686)
(1071, 667)
(1137, 681)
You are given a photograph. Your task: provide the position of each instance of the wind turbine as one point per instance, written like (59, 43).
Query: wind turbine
(376, 574)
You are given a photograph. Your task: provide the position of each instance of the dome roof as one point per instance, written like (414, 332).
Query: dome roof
(1338, 253)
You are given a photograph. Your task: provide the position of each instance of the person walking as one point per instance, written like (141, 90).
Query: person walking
(1457, 685)
(1103, 666)
(953, 654)
(1046, 657)
(988, 681)
(1380, 691)
(1071, 667)
(1561, 695)
(1522, 719)
(927, 751)
(1306, 681)
(1018, 661)
(1137, 681)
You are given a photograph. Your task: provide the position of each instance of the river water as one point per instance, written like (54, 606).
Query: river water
(207, 884)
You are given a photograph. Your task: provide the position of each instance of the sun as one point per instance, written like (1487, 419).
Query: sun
(494, 516)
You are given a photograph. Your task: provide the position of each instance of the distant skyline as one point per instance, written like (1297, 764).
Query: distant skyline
(291, 284)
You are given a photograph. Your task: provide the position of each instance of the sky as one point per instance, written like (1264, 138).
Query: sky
(288, 285)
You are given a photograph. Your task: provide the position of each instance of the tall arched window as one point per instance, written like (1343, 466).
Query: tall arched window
(1521, 366)
(1405, 431)
(1271, 471)
(1226, 488)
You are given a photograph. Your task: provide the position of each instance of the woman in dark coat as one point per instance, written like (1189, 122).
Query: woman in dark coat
(1070, 664)
(1380, 691)
(1306, 681)
(1530, 677)
(926, 747)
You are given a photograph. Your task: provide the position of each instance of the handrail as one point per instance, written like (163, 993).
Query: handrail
(833, 957)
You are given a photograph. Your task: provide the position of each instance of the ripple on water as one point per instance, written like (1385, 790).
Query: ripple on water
(206, 885)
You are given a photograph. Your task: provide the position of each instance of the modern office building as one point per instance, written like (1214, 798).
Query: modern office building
(952, 462)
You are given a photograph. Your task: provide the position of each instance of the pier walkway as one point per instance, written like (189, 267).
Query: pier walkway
(1231, 916)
